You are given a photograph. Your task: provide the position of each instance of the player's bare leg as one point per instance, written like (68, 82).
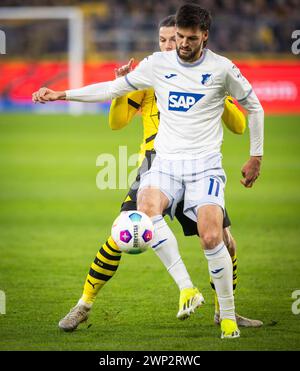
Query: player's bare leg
(231, 247)
(153, 202)
(210, 221)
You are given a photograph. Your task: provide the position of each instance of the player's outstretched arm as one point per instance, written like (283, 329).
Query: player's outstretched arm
(99, 92)
(139, 79)
(44, 95)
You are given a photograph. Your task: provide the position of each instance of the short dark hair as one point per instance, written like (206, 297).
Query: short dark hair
(191, 16)
(168, 21)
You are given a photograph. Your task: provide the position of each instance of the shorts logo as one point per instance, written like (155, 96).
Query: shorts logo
(170, 76)
(183, 101)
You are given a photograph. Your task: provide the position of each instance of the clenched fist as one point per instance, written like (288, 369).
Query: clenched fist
(250, 171)
(44, 95)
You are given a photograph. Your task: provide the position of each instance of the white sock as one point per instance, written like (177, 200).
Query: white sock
(166, 248)
(220, 270)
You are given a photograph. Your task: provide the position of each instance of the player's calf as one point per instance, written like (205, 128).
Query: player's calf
(229, 241)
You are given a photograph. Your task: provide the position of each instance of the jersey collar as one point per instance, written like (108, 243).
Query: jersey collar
(196, 63)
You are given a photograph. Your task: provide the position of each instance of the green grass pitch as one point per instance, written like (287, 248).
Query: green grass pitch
(53, 219)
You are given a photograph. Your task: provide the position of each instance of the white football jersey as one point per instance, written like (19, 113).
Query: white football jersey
(190, 99)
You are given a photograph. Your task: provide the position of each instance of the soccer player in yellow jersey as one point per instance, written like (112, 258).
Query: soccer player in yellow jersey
(107, 259)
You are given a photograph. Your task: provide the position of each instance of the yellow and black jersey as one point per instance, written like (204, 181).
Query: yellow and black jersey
(124, 108)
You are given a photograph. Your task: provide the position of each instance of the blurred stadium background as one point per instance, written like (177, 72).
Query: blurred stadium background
(53, 217)
(256, 34)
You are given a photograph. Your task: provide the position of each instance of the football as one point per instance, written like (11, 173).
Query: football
(132, 231)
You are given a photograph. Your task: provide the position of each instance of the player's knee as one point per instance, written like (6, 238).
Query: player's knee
(151, 202)
(210, 238)
(148, 206)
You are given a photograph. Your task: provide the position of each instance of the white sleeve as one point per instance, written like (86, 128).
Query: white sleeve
(140, 78)
(236, 84)
(240, 88)
(255, 124)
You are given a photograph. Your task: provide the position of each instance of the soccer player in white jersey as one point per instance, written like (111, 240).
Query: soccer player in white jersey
(190, 84)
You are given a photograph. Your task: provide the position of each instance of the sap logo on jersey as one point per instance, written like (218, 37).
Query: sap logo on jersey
(183, 101)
